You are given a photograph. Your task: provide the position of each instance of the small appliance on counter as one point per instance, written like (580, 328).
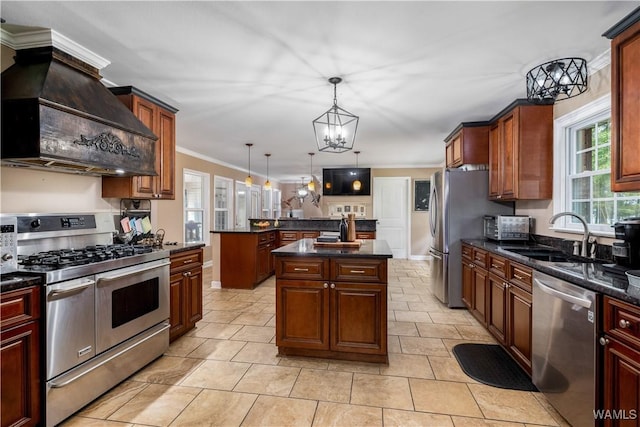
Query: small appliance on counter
(507, 227)
(626, 254)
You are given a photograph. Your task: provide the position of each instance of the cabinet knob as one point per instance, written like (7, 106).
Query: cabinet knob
(326, 285)
(624, 323)
(471, 266)
(604, 341)
(333, 286)
(187, 274)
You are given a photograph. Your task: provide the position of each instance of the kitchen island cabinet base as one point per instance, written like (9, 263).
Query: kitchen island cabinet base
(332, 303)
(336, 355)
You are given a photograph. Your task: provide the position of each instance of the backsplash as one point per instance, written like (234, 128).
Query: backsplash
(565, 245)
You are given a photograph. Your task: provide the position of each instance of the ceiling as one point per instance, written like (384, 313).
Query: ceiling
(256, 72)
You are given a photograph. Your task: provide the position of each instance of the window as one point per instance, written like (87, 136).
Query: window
(583, 141)
(223, 200)
(196, 201)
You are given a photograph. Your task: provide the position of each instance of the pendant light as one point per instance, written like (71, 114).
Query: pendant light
(248, 181)
(267, 185)
(312, 185)
(302, 191)
(357, 185)
(335, 129)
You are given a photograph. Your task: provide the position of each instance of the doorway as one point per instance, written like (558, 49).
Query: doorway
(391, 209)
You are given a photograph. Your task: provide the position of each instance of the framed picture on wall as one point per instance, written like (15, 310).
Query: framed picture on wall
(421, 192)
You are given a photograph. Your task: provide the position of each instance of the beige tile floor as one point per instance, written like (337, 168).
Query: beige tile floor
(226, 372)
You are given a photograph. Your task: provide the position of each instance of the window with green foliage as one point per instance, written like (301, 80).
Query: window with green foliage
(587, 177)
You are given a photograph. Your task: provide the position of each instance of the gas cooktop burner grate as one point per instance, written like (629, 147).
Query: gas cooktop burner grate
(62, 258)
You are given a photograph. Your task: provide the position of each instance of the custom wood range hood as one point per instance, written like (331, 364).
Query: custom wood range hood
(58, 116)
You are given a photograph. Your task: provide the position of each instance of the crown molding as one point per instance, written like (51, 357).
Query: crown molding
(47, 37)
(599, 62)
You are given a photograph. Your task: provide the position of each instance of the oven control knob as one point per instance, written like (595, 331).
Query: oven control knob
(35, 223)
(7, 257)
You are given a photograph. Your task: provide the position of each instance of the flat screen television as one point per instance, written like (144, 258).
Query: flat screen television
(339, 181)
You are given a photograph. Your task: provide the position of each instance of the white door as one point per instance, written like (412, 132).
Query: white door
(391, 209)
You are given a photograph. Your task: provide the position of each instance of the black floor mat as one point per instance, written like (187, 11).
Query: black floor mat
(490, 364)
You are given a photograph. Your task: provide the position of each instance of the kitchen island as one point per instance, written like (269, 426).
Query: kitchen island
(331, 302)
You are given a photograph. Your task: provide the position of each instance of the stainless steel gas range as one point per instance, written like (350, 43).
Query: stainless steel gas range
(106, 306)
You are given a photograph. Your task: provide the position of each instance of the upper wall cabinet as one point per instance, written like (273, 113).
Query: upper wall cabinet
(468, 144)
(521, 153)
(160, 118)
(625, 103)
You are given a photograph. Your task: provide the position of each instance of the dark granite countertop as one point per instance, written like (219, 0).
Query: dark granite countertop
(296, 224)
(182, 247)
(252, 230)
(12, 282)
(588, 275)
(305, 247)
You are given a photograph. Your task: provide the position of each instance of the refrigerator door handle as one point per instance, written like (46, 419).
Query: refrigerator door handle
(434, 254)
(433, 208)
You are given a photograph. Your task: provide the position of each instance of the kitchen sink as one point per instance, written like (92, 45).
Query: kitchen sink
(551, 255)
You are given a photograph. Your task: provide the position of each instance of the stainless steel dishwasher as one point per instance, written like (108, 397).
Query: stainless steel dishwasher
(564, 347)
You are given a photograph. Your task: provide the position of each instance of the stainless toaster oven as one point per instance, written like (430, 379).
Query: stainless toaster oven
(507, 227)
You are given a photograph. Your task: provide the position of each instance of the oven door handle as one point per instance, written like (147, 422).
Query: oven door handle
(132, 273)
(73, 290)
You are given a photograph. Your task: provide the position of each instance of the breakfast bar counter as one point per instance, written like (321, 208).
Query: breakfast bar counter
(331, 302)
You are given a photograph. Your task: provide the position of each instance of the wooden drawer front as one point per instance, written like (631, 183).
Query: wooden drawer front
(467, 252)
(306, 268)
(622, 320)
(520, 275)
(480, 258)
(359, 270)
(291, 236)
(186, 259)
(19, 306)
(264, 238)
(308, 234)
(365, 234)
(497, 265)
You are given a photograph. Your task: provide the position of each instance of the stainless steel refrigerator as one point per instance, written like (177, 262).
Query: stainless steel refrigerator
(458, 202)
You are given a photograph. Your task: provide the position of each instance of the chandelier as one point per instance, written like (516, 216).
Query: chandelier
(557, 80)
(335, 130)
(302, 192)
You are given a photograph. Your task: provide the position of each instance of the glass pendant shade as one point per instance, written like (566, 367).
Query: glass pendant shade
(335, 129)
(557, 80)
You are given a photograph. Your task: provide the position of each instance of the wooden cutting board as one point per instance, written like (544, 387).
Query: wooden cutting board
(355, 244)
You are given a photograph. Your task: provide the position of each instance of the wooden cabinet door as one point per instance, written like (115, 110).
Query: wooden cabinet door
(508, 148)
(177, 306)
(621, 384)
(480, 285)
(625, 110)
(519, 312)
(20, 379)
(494, 162)
(358, 312)
(263, 262)
(165, 155)
(467, 284)
(193, 286)
(302, 313)
(145, 111)
(497, 311)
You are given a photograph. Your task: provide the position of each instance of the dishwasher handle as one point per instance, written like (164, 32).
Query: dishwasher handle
(582, 302)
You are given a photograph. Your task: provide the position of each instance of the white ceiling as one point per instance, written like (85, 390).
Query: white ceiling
(257, 72)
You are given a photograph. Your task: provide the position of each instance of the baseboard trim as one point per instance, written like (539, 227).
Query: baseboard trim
(216, 284)
(420, 257)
